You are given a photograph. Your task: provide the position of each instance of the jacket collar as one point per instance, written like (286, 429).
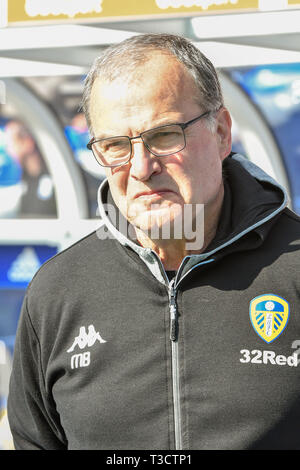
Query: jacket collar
(252, 202)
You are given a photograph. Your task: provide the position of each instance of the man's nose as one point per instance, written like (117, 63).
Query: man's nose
(143, 163)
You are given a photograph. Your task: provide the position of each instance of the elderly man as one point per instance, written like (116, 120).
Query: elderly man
(175, 325)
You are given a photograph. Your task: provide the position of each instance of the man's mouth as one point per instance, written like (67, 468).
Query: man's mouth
(153, 194)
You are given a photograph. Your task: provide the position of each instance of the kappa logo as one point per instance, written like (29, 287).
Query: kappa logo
(269, 315)
(83, 340)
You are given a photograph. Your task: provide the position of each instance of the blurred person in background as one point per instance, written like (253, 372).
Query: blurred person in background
(141, 338)
(10, 186)
(77, 134)
(37, 186)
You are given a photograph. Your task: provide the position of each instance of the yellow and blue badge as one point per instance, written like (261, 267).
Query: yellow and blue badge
(269, 315)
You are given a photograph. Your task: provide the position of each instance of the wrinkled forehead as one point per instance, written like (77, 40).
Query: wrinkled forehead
(150, 64)
(161, 80)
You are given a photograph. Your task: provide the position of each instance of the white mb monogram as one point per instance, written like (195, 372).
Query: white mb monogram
(85, 339)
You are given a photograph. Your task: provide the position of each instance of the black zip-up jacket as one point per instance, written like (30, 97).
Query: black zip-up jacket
(111, 355)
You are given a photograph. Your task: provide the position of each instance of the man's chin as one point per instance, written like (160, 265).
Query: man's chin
(158, 224)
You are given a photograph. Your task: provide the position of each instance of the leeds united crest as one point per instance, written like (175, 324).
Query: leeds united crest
(269, 315)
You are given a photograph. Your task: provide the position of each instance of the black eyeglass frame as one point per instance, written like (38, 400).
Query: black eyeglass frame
(183, 126)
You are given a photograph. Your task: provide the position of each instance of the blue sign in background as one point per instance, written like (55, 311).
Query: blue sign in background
(19, 263)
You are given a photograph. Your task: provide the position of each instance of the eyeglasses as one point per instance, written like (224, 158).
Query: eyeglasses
(160, 141)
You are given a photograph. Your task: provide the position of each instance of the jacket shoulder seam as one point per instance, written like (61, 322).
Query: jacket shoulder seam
(59, 254)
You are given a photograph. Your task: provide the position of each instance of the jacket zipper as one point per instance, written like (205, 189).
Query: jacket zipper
(175, 365)
(175, 356)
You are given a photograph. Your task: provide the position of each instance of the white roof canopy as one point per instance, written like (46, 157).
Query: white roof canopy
(230, 40)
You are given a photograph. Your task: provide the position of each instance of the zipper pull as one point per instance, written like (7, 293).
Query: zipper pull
(173, 312)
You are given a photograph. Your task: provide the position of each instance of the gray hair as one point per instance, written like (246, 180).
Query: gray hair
(122, 59)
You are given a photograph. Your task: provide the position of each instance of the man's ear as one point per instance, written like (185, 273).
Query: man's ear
(223, 132)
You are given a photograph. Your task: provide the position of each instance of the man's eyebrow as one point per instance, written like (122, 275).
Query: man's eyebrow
(169, 122)
(105, 135)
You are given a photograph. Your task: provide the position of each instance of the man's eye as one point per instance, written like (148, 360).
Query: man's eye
(113, 146)
(165, 135)
(162, 134)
